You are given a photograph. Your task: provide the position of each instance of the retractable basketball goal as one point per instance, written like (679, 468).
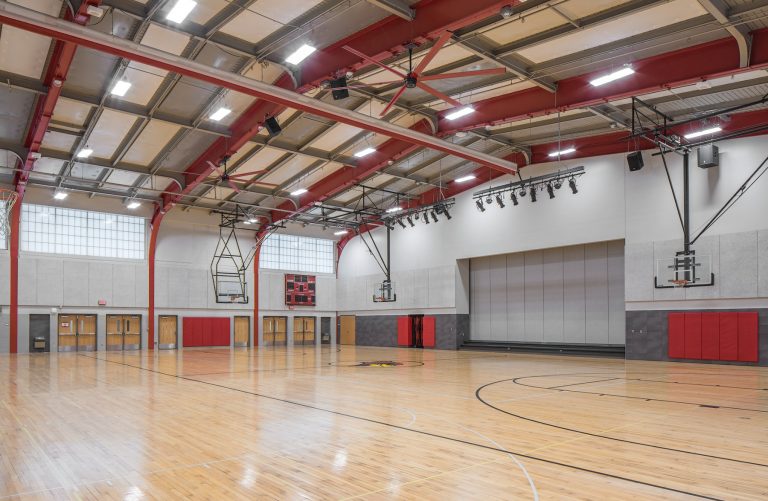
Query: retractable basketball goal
(8, 199)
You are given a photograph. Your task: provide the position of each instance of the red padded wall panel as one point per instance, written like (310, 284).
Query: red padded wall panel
(676, 330)
(428, 336)
(729, 336)
(693, 336)
(747, 345)
(403, 331)
(206, 331)
(710, 336)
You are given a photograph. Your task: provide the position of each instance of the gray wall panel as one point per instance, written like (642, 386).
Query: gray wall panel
(552, 275)
(574, 305)
(534, 297)
(497, 269)
(99, 283)
(76, 283)
(28, 280)
(639, 269)
(123, 286)
(738, 277)
(596, 292)
(50, 281)
(515, 297)
(616, 305)
(481, 299)
(762, 263)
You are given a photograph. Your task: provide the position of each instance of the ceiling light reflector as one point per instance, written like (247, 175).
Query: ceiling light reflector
(624, 72)
(705, 132)
(181, 10)
(301, 54)
(461, 112)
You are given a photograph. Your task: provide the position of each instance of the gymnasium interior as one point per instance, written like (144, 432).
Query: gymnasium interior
(384, 249)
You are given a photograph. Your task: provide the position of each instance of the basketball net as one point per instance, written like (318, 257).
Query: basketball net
(8, 199)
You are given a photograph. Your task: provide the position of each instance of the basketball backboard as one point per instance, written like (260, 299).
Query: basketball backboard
(684, 270)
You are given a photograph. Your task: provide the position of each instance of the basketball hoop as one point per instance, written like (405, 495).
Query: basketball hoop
(679, 283)
(8, 199)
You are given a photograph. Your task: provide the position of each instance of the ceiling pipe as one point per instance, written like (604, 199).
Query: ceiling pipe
(36, 22)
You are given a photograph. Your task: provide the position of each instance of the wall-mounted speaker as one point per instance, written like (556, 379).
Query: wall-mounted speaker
(708, 156)
(338, 89)
(272, 126)
(635, 161)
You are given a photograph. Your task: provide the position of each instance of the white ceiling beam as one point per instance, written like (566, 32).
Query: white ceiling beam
(719, 10)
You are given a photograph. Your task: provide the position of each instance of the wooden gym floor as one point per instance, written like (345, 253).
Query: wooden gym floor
(306, 422)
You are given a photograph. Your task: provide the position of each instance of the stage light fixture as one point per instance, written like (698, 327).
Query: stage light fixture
(558, 183)
(447, 214)
(533, 194)
(410, 221)
(426, 218)
(500, 201)
(480, 205)
(401, 223)
(572, 184)
(488, 200)
(514, 198)
(434, 216)
(550, 190)
(523, 191)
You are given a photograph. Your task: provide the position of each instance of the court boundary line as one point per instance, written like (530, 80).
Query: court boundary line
(421, 432)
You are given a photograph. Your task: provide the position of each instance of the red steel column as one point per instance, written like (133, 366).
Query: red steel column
(14, 251)
(154, 230)
(256, 294)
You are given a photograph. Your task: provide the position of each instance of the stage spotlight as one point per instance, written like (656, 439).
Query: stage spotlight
(446, 213)
(410, 221)
(533, 194)
(572, 184)
(500, 201)
(513, 197)
(401, 223)
(426, 218)
(550, 190)
(523, 191)
(434, 216)
(480, 205)
(558, 183)
(389, 224)
(488, 200)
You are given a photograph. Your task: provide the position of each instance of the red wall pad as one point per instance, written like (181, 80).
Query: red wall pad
(206, 331)
(747, 345)
(403, 331)
(710, 336)
(693, 336)
(729, 336)
(428, 336)
(676, 329)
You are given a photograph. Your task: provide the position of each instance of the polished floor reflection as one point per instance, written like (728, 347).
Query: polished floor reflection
(377, 423)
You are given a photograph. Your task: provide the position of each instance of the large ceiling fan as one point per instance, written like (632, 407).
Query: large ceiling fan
(226, 177)
(414, 78)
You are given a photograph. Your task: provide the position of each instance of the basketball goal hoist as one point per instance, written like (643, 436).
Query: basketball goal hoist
(686, 268)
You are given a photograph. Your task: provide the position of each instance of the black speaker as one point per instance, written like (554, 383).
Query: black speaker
(339, 90)
(635, 161)
(708, 155)
(272, 126)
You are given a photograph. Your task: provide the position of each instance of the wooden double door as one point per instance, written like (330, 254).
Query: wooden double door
(303, 330)
(123, 332)
(77, 332)
(275, 331)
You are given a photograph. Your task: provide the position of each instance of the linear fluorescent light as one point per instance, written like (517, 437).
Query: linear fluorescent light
(365, 152)
(464, 179)
(705, 132)
(84, 153)
(301, 54)
(220, 113)
(60, 195)
(181, 10)
(298, 192)
(133, 204)
(462, 112)
(394, 209)
(624, 72)
(562, 152)
(252, 220)
(340, 233)
(120, 88)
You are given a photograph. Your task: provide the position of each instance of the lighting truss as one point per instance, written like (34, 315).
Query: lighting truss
(422, 213)
(527, 187)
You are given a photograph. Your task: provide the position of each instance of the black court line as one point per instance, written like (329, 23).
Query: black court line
(420, 432)
(696, 384)
(576, 384)
(597, 435)
(647, 399)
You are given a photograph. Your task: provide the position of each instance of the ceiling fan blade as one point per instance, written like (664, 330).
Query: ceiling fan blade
(462, 74)
(393, 100)
(373, 61)
(215, 167)
(246, 174)
(438, 94)
(233, 186)
(433, 52)
(366, 86)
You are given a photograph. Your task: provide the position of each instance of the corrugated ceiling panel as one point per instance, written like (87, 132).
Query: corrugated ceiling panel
(286, 171)
(71, 112)
(266, 16)
(109, 132)
(58, 141)
(150, 142)
(22, 52)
